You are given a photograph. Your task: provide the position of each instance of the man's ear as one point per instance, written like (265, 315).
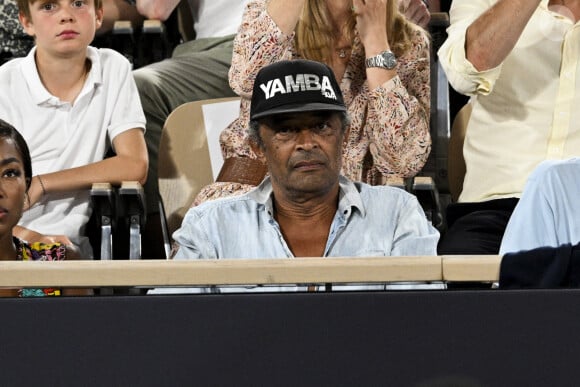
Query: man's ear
(258, 150)
(26, 24)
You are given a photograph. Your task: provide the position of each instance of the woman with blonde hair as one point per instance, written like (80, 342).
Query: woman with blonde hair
(381, 61)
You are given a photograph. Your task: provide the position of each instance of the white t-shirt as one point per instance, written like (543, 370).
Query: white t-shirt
(62, 136)
(215, 18)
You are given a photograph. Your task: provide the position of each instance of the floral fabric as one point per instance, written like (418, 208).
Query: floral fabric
(39, 252)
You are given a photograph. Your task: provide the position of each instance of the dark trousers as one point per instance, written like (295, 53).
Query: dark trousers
(476, 228)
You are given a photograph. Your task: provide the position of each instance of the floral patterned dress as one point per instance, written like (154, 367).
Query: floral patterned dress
(39, 252)
(389, 130)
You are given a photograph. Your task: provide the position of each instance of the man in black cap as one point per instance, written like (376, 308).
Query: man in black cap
(304, 208)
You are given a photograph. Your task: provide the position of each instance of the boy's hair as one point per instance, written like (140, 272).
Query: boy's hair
(24, 6)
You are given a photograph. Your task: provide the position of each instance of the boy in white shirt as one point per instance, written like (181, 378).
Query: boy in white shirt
(71, 102)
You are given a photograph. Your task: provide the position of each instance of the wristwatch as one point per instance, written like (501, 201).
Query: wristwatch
(385, 59)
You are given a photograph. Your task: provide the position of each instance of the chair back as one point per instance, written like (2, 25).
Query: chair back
(189, 153)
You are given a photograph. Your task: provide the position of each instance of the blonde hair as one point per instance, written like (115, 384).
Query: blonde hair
(315, 37)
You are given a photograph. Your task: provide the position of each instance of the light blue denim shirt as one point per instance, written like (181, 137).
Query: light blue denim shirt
(548, 213)
(370, 221)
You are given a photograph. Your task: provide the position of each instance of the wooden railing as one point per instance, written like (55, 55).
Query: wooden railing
(248, 271)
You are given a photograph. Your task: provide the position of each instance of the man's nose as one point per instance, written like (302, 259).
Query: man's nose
(306, 139)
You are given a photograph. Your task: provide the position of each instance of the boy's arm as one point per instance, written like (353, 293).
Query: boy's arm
(129, 164)
(156, 9)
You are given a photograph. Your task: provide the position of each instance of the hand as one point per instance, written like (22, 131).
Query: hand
(371, 22)
(416, 11)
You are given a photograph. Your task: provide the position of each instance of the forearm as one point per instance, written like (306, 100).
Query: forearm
(492, 36)
(129, 164)
(398, 118)
(258, 43)
(156, 9)
(370, 25)
(112, 170)
(285, 13)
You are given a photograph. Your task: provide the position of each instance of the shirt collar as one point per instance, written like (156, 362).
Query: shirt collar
(37, 90)
(349, 196)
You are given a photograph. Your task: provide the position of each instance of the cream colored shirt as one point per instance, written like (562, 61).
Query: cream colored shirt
(524, 111)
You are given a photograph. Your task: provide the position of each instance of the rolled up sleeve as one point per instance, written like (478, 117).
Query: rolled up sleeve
(461, 73)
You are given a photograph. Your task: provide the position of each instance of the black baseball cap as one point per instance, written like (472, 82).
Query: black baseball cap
(297, 85)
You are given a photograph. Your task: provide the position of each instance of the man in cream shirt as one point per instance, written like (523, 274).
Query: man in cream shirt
(518, 60)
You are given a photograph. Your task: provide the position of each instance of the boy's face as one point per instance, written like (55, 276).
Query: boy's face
(62, 26)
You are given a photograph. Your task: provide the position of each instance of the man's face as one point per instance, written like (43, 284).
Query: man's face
(303, 151)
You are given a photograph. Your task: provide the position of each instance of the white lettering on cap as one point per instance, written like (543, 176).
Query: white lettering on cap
(301, 82)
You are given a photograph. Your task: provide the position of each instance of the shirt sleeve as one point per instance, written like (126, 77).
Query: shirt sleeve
(414, 234)
(398, 117)
(462, 75)
(259, 42)
(192, 239)
(533, 223)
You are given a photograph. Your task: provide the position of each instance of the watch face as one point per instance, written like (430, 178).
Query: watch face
(389, 60)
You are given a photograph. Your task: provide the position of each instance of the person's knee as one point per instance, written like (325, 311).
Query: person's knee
(147, 82)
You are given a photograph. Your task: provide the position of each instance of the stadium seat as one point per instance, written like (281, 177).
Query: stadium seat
(431, 183)
(190, 156)
(119, 214)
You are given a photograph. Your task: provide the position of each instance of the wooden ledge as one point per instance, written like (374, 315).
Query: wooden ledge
(218, 272)
(475, 268)
(153, 273)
